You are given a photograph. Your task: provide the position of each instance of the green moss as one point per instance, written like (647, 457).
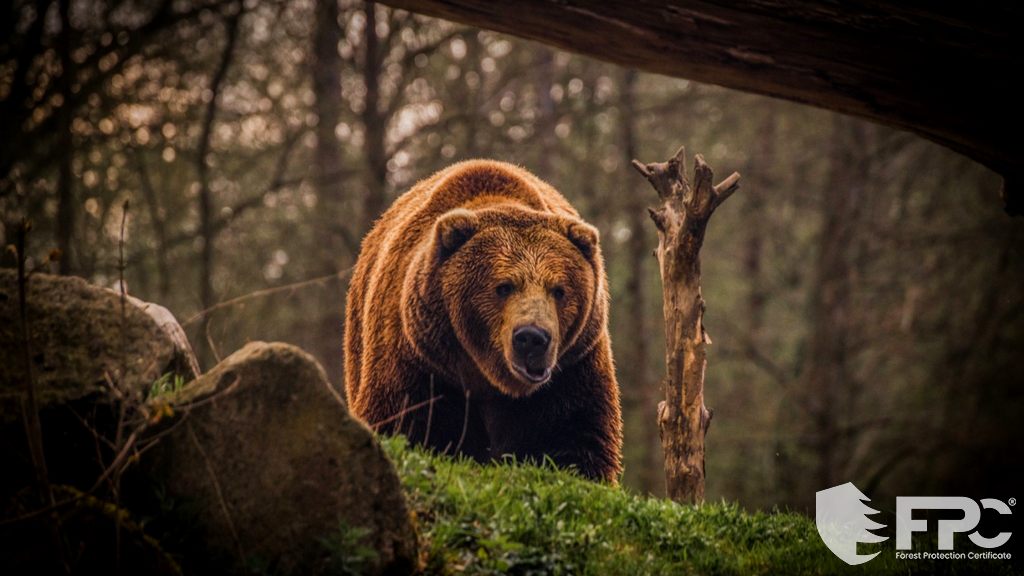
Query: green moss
(514, 518)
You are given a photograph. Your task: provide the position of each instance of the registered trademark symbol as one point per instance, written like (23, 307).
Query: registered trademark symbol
(1012, 501)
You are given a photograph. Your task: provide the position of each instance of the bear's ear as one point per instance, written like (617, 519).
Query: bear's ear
(583, 236)
(453, 229)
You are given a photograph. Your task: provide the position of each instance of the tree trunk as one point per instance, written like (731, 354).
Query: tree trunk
(756, 221)
(67, 207)
(826, 374)
(374, 123)
(642, 394)
(751, 397)
(471, 97)
(326, 71)
(681, 221)
(545, 126)
(207, 294)
(158, 221)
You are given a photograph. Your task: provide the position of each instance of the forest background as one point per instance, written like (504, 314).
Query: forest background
(863, 287)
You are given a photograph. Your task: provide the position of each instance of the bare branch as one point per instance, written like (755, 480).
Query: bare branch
(400, 415)
(642, 169)
(262, 293)
(726, 187)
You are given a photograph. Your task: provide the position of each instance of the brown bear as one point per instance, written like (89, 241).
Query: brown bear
(476, 323)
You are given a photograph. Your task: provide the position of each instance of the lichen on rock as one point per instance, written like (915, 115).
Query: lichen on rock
(273, 465)
(79, 340)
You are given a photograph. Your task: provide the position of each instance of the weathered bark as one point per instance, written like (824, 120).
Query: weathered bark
(885, 61)
(681, 221)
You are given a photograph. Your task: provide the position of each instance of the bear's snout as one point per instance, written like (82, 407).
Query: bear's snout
(529, 341)
(530, 346)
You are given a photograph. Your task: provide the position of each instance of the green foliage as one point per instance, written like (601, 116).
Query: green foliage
(349, 555)
(516, 518)
(168, 384)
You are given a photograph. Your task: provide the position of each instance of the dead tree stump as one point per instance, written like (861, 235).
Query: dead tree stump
(682, 219)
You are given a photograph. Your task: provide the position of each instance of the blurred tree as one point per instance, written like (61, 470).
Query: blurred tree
(207, 294)
(640, 391)
(52, 72)
(339, 243)
(827, 376)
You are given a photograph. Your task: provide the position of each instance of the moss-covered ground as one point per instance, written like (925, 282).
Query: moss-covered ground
(514, 518)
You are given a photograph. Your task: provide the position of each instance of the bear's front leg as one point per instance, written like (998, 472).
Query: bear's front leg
(425, 409)
(574, 419)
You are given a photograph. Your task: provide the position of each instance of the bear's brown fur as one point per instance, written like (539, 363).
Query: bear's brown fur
(482, 289)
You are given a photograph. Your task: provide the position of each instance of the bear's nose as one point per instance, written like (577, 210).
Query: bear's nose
(530, 341)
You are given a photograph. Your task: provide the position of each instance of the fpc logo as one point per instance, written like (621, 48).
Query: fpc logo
(842, 520)
(841, 516)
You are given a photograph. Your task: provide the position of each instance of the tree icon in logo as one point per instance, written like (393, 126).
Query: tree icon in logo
(842, 520)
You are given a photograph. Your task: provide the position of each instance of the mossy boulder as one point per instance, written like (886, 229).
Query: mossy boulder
(271, 472)
(79, 340)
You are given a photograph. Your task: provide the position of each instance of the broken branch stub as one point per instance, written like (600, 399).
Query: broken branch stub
(681, 220)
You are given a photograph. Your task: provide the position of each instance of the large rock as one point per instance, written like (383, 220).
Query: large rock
(272, 472)
(78, 339)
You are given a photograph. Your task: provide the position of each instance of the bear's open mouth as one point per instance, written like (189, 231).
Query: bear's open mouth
(534, 377)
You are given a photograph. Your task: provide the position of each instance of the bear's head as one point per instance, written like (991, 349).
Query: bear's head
(521, 292)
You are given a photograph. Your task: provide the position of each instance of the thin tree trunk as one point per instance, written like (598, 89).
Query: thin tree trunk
(158, 221)
(642, 394)
(545, 79)
(756, 221)
(207, 294)
(30, 404)
(681, 221)
(748, 399)
(67, 207)
(826, 374)
(327, 69)
(472, 96)
(374, 124)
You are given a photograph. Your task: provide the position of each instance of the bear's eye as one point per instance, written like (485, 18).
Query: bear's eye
(504, 289)
(558, 292)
